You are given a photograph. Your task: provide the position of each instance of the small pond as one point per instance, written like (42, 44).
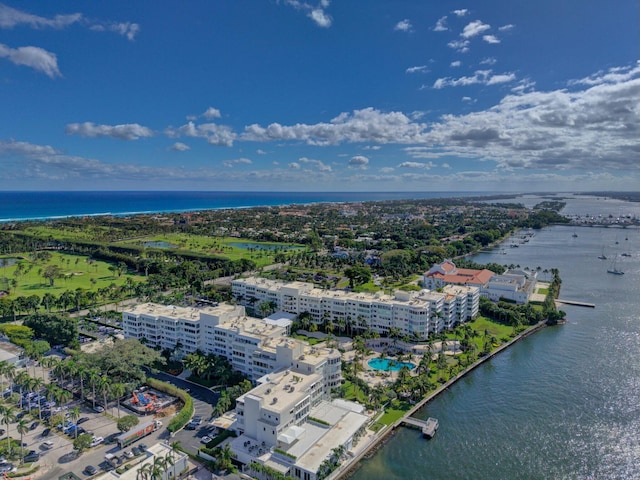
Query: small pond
(159, 244)
(8, 261)
(389, 365)
(260, 246)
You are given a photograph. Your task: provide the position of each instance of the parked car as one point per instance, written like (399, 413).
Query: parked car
(99, 409)
(96, 441)
(48, 445)
(206, 439)
(128, 454)
(90, 470)
(46, 432)
(7, 468)
(136, 451)
(82, 420)
(34, 425)
(32, 456)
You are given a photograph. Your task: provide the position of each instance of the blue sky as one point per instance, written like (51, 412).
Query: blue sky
(320, 95)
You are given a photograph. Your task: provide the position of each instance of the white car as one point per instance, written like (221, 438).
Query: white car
(96, 441)
(48, 445)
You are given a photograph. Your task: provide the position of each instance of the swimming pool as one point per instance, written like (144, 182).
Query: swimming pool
(389, 365)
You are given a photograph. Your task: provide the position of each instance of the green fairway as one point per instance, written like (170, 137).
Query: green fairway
(24, 276)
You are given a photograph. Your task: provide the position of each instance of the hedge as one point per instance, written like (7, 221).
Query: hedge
(184, 415)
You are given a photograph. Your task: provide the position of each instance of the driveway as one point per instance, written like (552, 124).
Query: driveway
(203, 403)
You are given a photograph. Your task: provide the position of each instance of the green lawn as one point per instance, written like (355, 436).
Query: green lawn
(76, 273)
(498, 330)
(262, 253)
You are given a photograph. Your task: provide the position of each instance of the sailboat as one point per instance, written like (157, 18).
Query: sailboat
(602, 256)
(614, 268)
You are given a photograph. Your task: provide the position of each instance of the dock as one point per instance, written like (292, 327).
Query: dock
(576, 303)
(428, 426)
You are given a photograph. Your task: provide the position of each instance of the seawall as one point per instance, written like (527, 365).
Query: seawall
(385, 434)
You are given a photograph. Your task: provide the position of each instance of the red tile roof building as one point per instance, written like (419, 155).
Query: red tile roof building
(447, 273)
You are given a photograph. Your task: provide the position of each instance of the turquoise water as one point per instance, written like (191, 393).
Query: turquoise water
(42, 205)
(563, 403)
(159, 244)
(389, 365)
(260, 246)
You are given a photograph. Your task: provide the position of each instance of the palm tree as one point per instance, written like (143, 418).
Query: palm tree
(37, 384)
(21, 380)
(75, 413)
(94, 379)
(8, 415)
(144, 472)
(117, 390)
(22, 427)
(103, 384)
(175, 446)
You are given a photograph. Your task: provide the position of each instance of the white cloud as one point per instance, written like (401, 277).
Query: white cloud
(482, 77)
(317, 13)
(461, 46)
(417, 165)
(474, 28)
(320, 17)
(461, 13)
(238, 161)
(457, 63)
(491, 39)
(319, 165)
(10, 17)
(612, 76)
(180, 147)
(368, 126)
(403, 25)
(33, 57)
(126, 29)
(359, 161)
(441, 25)
(129, 131)
(502, 78)
(467, 99)
(219, 135)
(294, 165)
(506, 28)
(488, 61)
(592, 129)
(261, 152)
(417, 69)
(211, 113)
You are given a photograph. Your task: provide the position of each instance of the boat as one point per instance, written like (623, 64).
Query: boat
(574, 235)
(602, 256)
(614, 269)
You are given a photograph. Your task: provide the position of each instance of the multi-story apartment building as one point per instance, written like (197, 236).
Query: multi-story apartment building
(253, 346)
(287, 424)
(415, 314)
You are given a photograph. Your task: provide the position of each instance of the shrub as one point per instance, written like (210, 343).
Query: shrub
(184, 415)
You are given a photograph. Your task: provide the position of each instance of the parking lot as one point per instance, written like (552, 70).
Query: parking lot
(55, 450)
(203, 402)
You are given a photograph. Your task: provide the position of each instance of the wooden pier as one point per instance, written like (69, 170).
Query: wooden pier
(428, 426)
(576, 303)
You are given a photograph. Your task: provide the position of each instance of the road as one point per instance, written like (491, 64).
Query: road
(203, 402)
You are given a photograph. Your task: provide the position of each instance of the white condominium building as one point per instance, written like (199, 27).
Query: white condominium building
(253, 346)
(287, 424)
(415, 314)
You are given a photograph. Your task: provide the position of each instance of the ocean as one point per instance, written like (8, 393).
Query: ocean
(18, 206)
(563, 403)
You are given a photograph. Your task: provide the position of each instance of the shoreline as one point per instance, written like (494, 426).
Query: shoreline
(387, 433)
